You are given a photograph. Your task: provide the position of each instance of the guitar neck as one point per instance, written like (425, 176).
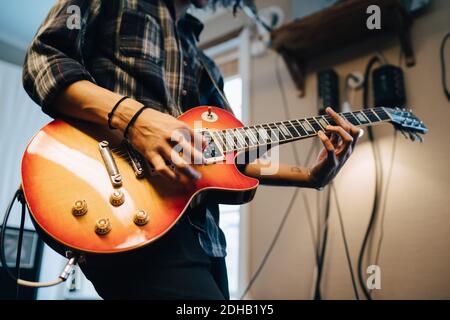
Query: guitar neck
(292, 130)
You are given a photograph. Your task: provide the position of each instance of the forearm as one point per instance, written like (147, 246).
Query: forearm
(87, 101)
(286, 175)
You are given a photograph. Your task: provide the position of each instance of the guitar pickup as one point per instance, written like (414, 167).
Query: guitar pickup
(136, 160)
(110, 164)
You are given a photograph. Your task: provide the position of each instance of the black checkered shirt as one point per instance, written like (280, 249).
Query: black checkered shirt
(136, 49)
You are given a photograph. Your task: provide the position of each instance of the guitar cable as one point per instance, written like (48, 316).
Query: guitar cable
(18, 195)
(443, 67)
(378, 178)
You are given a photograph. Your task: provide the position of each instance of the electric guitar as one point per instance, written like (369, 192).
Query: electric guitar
(88, 191)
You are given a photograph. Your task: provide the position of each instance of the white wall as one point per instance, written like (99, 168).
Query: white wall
(415, 256)
(21, 119)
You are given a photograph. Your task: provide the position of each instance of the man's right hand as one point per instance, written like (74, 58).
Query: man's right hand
(151, 134)
(155, 133)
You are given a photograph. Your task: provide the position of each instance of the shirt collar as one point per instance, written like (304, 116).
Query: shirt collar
(191, 24)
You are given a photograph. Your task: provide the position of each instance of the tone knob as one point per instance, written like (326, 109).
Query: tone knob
(141, 218)
(117, 198)
(79, 208)
(102, 227)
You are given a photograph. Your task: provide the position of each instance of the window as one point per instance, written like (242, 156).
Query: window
(233, 59)
(230, 215)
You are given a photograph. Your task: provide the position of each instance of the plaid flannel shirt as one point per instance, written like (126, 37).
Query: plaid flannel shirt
(136, 49)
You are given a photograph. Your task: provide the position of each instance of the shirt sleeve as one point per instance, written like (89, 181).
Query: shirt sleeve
(57, 55)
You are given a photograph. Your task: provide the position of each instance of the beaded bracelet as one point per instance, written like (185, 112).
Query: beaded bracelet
(132, 121)
(110, 115)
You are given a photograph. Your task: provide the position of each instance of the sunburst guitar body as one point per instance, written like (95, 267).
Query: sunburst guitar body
(86, 194)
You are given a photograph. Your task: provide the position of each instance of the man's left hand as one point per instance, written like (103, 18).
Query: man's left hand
(339, 142)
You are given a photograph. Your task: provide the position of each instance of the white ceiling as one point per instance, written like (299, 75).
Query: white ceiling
(20, 19)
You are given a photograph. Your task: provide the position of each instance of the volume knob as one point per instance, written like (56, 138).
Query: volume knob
(102, 227)
(79, 208)
(141, 218)
(117, 198)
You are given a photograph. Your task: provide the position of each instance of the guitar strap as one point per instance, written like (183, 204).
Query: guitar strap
(224, 99)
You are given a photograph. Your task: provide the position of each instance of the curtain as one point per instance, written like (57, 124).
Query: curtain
(20, 119)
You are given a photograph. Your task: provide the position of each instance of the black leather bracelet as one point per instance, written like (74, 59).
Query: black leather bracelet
(110, 115)
(132, 121)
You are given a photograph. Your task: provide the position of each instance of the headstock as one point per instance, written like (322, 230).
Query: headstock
(408, 124)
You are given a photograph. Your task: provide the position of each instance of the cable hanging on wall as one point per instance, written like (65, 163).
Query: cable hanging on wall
(443, 66)
(293, 199)
(19, 196)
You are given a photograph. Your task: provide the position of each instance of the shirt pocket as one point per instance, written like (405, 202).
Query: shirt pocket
(140, 36)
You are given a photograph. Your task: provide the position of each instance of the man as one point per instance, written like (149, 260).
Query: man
(147, 50)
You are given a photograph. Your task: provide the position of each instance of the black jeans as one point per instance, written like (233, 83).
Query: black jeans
(173, 267)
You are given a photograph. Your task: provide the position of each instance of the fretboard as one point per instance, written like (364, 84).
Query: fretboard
(286, 131)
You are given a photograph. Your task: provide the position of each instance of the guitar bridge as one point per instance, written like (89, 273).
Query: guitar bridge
(110, 164)
(136, 160)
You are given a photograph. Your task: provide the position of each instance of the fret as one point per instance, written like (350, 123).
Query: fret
(298, 126)
(361, 117)
(320, 127)
(237, 142)
(219, 139)
(351, 118)
(371, 115)
(284, 130)
(273, 136)
(280, 131)
(251, 136)
(309, 129)
(264, 138)
(314, 124)
(323, 122)
(382, 114)
(277, 131)
(292, 129)
(239, 137)
(245, 136)
(258, 137)
(330, 120)
(230, 141)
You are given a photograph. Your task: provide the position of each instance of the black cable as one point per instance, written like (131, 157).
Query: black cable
(321, 259)
(444, 72)
(386, 192)
(378, 180)
(293, 199)
(275, 239)
(73, 259)
(19, 243)
(344, 238)
(319, 254)
(3, 234)
(316, 243)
